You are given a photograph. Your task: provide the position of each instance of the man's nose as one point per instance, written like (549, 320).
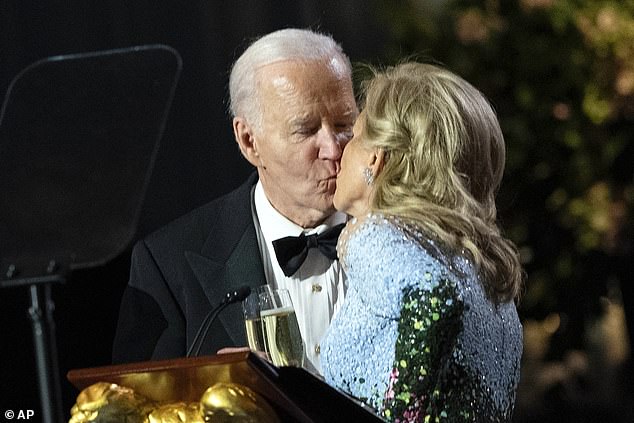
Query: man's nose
(331, 144)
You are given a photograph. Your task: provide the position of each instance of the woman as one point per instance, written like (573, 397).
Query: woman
(429, 330)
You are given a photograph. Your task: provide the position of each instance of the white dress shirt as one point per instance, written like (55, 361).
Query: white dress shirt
(318, 287)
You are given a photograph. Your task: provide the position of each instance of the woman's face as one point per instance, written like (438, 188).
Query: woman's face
(353, 192)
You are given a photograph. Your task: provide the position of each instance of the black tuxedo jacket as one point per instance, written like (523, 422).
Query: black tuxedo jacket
(180, 272)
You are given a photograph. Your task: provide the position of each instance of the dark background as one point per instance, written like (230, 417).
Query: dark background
(560, 74)
(197, 160)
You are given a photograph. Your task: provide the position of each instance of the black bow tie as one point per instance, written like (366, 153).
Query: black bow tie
(291, 251)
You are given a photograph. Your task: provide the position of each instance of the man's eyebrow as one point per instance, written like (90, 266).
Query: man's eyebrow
(350, 114)
(302, 121)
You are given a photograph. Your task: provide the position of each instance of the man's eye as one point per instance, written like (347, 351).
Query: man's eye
(307, 130)
(345, 130)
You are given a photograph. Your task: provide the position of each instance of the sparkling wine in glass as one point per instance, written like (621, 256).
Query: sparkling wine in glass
(252, 319)
(281, 334)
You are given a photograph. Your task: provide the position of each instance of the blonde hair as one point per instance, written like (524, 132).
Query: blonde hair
(444, 164)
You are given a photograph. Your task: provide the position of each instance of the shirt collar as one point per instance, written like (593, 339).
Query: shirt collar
(275, 226)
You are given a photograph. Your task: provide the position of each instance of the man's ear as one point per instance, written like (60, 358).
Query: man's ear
(243, 133)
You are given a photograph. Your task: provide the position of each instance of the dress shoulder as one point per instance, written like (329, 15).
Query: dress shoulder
(389, 245)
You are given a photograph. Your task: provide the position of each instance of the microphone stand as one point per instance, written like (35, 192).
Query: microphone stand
(204, 328)
(230, 298)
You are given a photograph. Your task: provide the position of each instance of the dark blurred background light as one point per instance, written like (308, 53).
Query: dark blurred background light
(560, 74)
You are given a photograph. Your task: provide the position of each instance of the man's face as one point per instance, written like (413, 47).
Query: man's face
(353, 193)
(308, 114)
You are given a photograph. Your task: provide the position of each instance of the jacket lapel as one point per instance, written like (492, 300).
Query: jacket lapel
(230, 259)
(244, 267)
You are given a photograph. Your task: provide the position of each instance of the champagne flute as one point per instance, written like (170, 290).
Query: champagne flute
(252, 319)
(282, 337)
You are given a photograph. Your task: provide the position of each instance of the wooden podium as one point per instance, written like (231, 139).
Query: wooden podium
(296, 394)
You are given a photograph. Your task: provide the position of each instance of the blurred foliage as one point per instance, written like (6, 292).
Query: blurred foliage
(560, 74)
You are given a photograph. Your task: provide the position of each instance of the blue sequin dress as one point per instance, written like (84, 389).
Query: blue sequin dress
(417, 339)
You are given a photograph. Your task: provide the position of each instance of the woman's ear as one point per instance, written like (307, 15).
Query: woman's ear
(377, 161)
(245, 138)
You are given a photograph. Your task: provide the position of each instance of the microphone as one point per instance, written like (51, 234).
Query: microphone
(230, 297)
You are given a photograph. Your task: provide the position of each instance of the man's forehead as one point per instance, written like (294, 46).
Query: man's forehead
(307, 90)
(311, 117)
(282, 71)
(282, 82)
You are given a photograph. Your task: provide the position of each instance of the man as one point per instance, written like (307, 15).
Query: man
(293, 106)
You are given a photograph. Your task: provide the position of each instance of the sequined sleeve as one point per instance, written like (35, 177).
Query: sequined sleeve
(428, 328)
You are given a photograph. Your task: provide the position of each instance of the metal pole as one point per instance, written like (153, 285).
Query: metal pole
(54, 362)
(50, 392)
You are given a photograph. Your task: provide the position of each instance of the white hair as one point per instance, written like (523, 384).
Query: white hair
(285, 44)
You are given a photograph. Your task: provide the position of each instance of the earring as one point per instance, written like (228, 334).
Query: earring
(368, 176)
